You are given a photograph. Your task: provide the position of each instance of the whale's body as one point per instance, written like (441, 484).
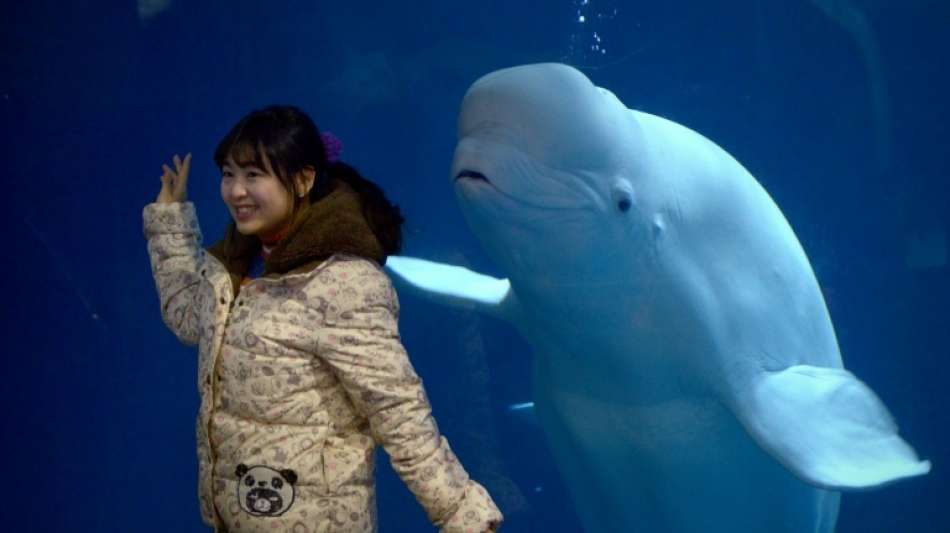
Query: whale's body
(686, 374)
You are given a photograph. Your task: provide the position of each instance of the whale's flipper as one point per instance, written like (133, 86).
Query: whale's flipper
(828, 428)
(525, 414)
(453, 285)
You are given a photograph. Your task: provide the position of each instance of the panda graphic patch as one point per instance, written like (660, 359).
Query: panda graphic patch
(263, 491)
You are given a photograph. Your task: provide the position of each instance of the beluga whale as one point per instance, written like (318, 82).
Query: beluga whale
(686, 372)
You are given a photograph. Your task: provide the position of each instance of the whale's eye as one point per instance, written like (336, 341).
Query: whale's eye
(622, 194)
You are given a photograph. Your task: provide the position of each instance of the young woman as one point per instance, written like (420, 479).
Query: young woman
(301, 370)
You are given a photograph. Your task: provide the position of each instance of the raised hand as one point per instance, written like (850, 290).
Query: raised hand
(175, 182)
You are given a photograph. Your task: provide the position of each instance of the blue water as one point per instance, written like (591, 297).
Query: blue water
(98, 426)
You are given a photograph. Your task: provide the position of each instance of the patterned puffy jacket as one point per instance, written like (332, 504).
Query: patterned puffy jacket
(301, 374)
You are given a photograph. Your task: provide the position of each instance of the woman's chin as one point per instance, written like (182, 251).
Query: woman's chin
(245, 228)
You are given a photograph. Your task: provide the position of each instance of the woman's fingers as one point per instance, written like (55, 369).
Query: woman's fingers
(175, 182)
(181, 181)
(164, 194)
(185, 167)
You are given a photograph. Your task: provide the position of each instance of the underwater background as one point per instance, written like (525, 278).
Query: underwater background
(838, 107)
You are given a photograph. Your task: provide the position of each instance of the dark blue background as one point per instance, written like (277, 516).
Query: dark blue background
(100, 396)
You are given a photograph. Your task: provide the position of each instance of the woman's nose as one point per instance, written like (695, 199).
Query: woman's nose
(237, 190)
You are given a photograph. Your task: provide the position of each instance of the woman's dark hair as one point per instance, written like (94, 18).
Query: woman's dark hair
(290, 140)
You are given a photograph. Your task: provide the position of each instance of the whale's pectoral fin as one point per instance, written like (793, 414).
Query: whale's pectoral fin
(453, 285)
(525, 414)
(828, 428)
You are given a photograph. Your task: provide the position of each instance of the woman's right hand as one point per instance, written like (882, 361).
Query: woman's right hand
(175, 182)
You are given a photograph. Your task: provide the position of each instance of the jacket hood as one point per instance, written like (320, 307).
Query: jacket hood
(333, 224)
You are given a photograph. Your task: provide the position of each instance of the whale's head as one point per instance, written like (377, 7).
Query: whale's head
(545, 171)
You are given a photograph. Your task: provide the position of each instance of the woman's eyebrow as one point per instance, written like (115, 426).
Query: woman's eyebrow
(240, 166)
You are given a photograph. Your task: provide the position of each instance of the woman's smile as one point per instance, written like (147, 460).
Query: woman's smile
(258, 201)
(244, 213)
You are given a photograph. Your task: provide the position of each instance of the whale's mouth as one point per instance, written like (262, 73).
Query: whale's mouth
(472, 175)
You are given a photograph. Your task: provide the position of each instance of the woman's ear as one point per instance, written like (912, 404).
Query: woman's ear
(304, 181)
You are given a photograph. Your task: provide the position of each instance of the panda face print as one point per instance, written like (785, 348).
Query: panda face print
(263, 491)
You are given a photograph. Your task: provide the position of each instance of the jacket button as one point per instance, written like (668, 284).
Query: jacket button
(222, 299)
(203, 270)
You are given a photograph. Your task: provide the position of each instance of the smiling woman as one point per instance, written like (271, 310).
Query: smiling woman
(275, 165)
(269, 163)
(301, 370)
(257, 200)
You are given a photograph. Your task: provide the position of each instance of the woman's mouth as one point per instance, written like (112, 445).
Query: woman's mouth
(243, 213)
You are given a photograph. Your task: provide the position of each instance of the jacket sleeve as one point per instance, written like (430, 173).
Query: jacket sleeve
(360, 341)
(174, 249)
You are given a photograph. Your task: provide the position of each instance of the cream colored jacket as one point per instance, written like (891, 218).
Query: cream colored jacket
(300, 376)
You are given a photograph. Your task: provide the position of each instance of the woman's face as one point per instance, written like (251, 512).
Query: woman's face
(258, 201)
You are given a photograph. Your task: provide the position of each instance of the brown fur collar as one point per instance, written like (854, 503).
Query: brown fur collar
(334, 224)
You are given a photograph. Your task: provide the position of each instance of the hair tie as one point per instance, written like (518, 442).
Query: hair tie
(332, 145)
